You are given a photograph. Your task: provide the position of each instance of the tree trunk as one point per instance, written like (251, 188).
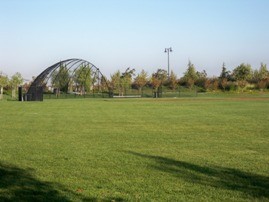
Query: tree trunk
(140, 91)
(13, 93)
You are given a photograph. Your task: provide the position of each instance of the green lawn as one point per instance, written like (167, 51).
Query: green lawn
(196, 149)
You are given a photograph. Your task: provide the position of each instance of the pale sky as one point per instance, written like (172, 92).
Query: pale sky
(116, 34)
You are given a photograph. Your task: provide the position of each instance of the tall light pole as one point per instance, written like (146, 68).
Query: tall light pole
(168, 50)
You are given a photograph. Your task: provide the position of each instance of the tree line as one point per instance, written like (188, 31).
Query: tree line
(83, 80)
(241, 78)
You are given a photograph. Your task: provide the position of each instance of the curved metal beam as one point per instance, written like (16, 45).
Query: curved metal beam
(36, 88)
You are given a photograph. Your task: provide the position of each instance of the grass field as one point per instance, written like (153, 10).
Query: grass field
(196, 149)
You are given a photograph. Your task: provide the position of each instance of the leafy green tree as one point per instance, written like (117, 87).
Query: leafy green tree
(201, 79)
(3, 83)
(141, 80)
(60, 78)
(242, 73)
(116, 82)
(82, 79)
(158, 78)
(104, 84)
(190, 76)
(15, 81)
(126, 78)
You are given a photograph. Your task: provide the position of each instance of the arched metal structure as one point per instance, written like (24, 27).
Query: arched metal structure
(71, 66)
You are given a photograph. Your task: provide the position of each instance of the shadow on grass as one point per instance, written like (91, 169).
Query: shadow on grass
(250, 184)
(18, 184)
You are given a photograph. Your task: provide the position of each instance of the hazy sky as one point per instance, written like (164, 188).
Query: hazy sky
(116, 34)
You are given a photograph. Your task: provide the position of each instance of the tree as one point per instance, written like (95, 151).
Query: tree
(122, 81)
(173, 82)
(261, 76)
(15, 81)
(207, 84)
(190, 76)
(201, 79)
(3, 83)
(104, 84)
(60, 78)
(116, 82)
(263, 73)
(215, 84)
(224, 77)
(242, 73)
(141, 80)
(225, 74)
(82, 79)
(157, 79)
(224, 83)
(126, 78)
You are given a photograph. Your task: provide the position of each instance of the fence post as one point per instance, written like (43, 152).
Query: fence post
(20, 93)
